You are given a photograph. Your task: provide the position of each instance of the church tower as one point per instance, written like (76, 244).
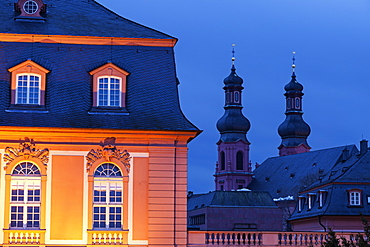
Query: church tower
(294, 130)
(233, 170)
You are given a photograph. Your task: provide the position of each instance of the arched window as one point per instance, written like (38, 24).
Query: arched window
(25, 196)
(297, 103)
(28, 89)
(288, 103)
(236, 95)
(107, 201)
(239, 161)
(355, 198)
(109, 91)
(223, 166)
(28, 85)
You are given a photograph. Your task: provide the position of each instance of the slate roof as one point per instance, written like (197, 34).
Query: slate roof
(287, 175)
(152, 86)
(230, 199)
(77, 18)
(352, 173)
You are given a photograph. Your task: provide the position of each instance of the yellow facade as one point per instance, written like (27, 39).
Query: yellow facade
(154, 185)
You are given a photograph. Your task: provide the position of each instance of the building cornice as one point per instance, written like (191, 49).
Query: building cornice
(86, 40)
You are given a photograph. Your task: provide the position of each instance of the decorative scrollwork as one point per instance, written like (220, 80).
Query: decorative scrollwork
(26, 149)
(107, 151)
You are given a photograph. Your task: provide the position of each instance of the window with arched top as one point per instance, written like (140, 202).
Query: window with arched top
(297, 103)
(108, 197)
(28, 85)
(236, 96)
(239, 160)
(25, 196)
(223, 165)
(288, 103)
(109, 89)
(355, 197)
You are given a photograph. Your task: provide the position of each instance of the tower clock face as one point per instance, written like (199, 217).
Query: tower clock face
(30, 7)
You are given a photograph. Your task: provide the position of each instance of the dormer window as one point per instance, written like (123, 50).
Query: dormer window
(301, 200)
(28, 83)
(30, 10)
(109, 90)
(355, 197)
(30, 7)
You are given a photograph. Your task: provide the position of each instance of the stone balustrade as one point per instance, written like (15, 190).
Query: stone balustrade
(251, 238)
(20, 237)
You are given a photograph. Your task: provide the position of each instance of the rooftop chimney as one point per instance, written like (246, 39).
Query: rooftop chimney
(363, 146)
(345, 154)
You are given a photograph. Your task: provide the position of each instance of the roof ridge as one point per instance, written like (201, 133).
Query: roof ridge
(109, 10)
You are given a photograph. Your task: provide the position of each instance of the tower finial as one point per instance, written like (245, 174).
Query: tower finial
(233, 52)
(293, 59)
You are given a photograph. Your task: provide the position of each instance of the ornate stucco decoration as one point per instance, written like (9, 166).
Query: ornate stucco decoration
(107, 151)
(27, 149)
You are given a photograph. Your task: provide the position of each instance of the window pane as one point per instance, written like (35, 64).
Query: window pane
(108, 170)
(115, 217)
(26, 168)
(28, 89)
(99, 217)
(16, 216)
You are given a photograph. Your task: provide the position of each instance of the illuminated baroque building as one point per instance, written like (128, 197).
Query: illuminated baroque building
(93, 142)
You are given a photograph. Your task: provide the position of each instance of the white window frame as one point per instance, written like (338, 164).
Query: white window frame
(26, 183)
(300, 203)
(104, 184)
(355, 198)
(31, 2)
(17, 98)
(109, 95)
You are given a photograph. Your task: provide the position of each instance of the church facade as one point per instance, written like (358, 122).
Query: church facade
(93, 142)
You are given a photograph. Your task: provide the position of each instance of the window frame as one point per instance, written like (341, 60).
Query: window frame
(109, 70)
(355, 198)
(28, 182)
(29, 68)
(33, 2)
(110, 93)
(28, 87)
(107, 182)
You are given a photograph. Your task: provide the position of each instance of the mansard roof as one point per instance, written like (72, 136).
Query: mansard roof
(151, 94)
(349, 174)
(230, 199)
(76, 18)
(286, 176)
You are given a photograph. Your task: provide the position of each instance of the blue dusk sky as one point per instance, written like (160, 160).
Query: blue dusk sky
(332, 43)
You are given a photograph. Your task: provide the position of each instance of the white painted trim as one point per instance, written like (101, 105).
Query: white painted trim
(130, 200)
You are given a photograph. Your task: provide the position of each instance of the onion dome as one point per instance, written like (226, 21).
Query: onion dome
(294, 130)
(233, 125)
(293, 85)
(233, 78)
(294, 126)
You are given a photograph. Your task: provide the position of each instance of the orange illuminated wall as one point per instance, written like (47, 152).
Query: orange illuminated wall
(140, 198)
(67, 182)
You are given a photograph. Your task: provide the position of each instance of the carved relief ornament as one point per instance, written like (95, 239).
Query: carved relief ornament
(107, 151)
(26, 149)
